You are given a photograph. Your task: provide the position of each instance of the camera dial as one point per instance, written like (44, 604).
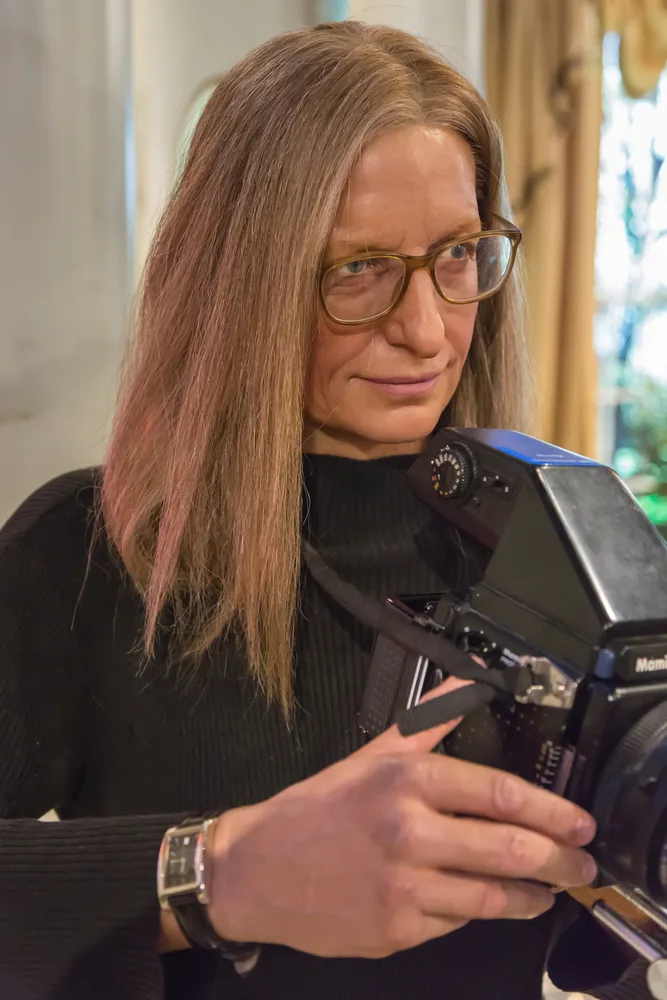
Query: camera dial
(453, 472)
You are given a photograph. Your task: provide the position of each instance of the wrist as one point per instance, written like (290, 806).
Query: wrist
(229, 902)
(170, 936)
(185, 886)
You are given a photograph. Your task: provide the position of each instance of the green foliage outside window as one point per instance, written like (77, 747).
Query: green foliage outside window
(631, 284)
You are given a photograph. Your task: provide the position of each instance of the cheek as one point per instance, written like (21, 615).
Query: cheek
(460, 328)
(330, 363)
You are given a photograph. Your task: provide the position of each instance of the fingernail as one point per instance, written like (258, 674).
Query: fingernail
(589, 870)
(585, 830)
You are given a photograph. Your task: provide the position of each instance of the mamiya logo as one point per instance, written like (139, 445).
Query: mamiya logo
(645, 665)
(509, 657)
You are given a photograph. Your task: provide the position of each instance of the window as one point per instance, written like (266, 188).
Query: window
(631, 287)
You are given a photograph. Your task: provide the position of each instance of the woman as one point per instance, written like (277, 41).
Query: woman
(163, 658)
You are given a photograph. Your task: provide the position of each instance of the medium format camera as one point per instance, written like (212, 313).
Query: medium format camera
(571, 602)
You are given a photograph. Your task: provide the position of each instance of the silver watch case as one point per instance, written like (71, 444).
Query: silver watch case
(182, 868)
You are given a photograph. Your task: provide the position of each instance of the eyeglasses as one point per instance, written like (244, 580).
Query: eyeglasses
(465, 270)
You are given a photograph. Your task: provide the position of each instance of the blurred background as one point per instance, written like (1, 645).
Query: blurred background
(98, 99)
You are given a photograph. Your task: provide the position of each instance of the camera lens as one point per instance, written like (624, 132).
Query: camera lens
(630, 807)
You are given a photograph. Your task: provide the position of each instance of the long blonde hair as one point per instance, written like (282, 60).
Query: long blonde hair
(202, 488)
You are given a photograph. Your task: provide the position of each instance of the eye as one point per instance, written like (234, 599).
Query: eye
(462, 251)
(356, 267)
(366, 269)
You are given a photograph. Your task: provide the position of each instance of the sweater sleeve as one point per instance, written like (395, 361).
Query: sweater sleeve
(632, 986)
(78, 907)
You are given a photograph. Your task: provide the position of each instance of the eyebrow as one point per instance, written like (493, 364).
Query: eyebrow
(353, 245)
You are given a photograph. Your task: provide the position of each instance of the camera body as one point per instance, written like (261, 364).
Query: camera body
(575, 591)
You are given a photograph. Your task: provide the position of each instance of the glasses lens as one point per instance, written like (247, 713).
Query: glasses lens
(362, 289)
(474, 268)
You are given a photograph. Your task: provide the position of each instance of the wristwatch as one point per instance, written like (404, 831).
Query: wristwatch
(183, 887)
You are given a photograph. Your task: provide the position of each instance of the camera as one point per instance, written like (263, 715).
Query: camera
(572, 598)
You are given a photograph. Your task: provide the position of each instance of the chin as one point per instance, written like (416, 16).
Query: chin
(398, 428)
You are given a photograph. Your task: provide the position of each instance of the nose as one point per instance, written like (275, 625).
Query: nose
(417, 324)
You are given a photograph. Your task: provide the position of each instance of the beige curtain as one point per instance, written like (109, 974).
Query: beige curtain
(544, 82)
(642, 25)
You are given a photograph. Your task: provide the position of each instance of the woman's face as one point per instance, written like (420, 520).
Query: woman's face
(380, 388)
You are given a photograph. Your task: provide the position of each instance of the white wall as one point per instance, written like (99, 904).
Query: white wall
(64, 273)
(454, 27)
(178, 44)
(70, 72)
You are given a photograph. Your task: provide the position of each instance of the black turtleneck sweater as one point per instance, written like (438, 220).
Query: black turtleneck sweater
(122, 751)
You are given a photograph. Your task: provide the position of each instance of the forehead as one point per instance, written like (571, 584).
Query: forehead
(411, 186)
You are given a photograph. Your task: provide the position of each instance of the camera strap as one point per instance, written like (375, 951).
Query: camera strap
(488, 683)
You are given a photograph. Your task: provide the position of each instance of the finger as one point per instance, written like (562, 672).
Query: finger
(469, 898)
(424, 927)
(457, 786)
(435, 927)
(392, 742)
(495, 849)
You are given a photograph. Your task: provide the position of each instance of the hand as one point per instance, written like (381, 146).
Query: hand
(391, 847)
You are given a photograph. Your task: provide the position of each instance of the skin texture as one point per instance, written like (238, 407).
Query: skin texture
(369, 856)
(372, 856)
(394, 845)
(412, 191)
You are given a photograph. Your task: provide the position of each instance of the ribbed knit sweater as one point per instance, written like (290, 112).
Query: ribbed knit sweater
(123, 750)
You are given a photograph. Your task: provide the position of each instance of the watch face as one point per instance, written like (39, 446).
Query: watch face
(180, 864)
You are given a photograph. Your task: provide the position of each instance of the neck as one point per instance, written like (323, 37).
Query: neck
(323, 441)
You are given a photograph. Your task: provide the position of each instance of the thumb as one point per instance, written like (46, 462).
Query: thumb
(391, 741)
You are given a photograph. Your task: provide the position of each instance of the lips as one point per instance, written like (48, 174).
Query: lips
(403, 385)
(405, 380)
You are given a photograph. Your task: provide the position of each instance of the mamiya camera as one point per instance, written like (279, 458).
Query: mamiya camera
(573, 599)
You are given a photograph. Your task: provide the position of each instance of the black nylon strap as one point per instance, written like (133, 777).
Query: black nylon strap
(446, 708)
(391, 622)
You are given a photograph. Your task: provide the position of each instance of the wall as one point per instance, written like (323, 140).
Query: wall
(177, 46)
(454, 27)
(79, 78)
(73, 76)
(64, 274)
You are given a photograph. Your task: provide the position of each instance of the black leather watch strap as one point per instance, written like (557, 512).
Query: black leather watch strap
(194, 921)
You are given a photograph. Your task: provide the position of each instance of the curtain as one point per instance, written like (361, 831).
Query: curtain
(543, 67)
(642, 25)
(544, 82)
